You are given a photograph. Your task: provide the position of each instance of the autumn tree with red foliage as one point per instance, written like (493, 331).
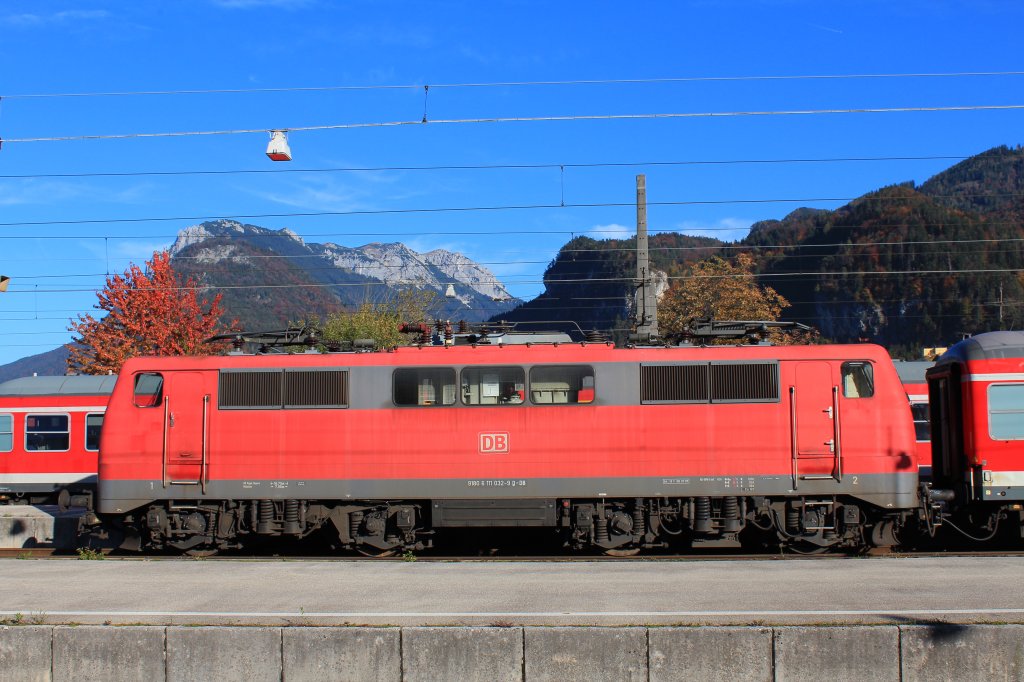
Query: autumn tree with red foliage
(148, 312)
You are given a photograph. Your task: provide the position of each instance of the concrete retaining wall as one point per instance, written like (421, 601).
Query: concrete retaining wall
(493, 654)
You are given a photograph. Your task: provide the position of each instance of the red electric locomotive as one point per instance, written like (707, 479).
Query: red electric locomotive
(50, 436)
(977, 410)
(617, 448)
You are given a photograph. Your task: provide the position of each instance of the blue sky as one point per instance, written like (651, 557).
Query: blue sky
(297, 46)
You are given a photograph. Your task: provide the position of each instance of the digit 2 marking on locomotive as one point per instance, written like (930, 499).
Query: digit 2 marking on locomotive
(493, 443)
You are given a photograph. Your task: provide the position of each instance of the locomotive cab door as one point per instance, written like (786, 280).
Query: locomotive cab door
(814, 413)
(186, 419)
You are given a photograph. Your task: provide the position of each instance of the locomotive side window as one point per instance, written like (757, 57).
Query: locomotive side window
(424, 386)
(858, 380)
(562, 385)
(1006, 411)
(93, 424)
(494, 386)
(47, 432)
(6, 432)
(149, 389)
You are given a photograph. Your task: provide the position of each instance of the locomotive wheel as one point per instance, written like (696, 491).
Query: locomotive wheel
(622, 552)
(807, 548)
(201, 552)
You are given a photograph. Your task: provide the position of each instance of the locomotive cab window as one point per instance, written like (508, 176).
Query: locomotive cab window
(1006, 411)
(93, 424)
(50, 432)
(494, 386)
(149, 389)
(562, 385)
(858, 380)
(6, 432)
(424, 386)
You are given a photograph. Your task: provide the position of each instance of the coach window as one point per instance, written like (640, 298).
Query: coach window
(922, 427)
(6, 433)
(47, 432)
(1006, 411)
(493, 386)
(93, 424)
(149, 389)
(562, 385)
(858, 380)
(425, 386)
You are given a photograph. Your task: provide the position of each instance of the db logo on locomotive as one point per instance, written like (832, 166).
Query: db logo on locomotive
(492, 443)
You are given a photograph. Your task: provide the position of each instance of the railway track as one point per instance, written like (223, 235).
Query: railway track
(114, 555)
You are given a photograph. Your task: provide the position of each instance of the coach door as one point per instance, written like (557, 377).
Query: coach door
(186, 419)
(814, 415)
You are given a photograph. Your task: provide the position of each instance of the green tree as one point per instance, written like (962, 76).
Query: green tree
(380, 322)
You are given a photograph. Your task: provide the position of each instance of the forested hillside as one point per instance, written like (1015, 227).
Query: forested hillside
(904, 266)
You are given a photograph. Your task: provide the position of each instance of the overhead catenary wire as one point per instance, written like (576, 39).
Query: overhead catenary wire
(507, 84)
(488, 166)
(394, 267)
(811, 275)
(527, 119)
(507, 207)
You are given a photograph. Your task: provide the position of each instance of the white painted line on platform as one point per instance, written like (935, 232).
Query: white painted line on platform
(520, 614)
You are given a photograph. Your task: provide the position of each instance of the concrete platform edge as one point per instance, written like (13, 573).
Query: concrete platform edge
(906, 653)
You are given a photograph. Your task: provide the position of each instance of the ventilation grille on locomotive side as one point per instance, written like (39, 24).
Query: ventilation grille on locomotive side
(714, 382)
(283, 389)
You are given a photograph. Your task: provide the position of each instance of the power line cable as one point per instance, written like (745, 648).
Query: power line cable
(528, 119)
(386, 267)
(508, 207)
(506, 84)
(473, 167)
(810, 276)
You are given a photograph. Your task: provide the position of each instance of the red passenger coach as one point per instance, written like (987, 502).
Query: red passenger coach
(912, 374)
(50, 435)
(977, 408)
(617, 449)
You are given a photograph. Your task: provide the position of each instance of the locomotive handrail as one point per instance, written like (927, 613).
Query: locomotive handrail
(793, 444)
(206, 425)
(167, 408)
(836, 434)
